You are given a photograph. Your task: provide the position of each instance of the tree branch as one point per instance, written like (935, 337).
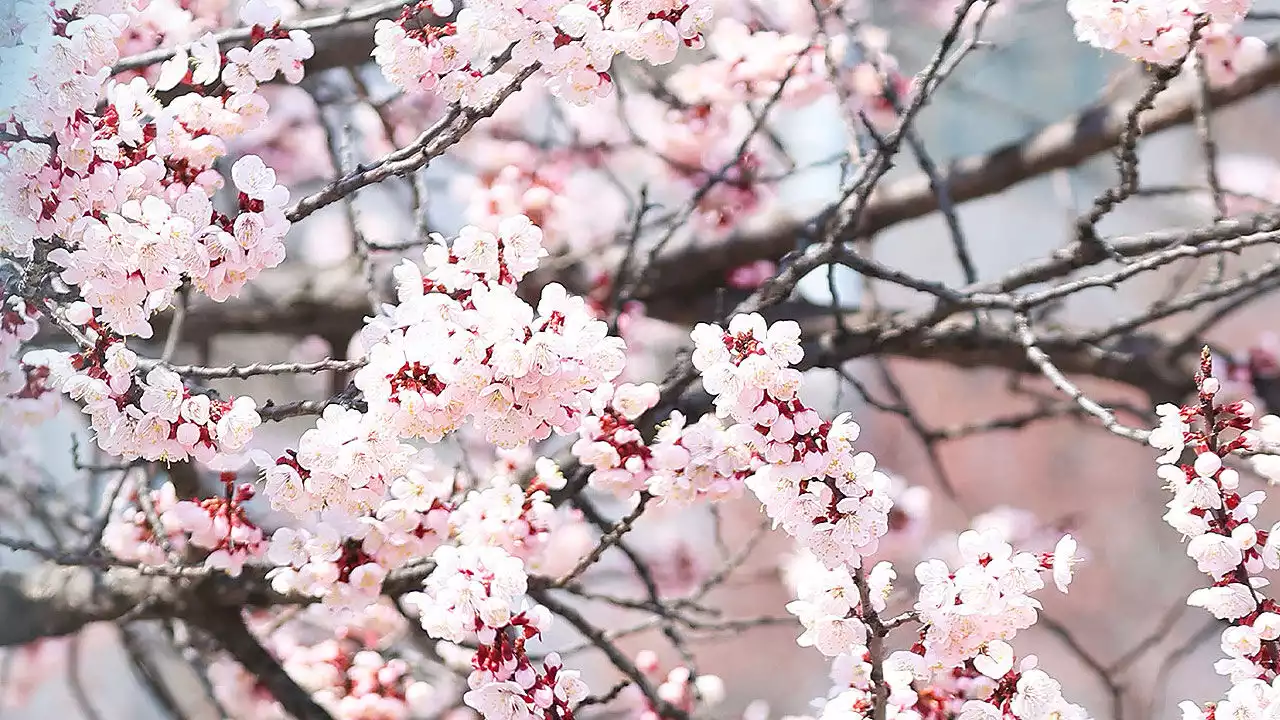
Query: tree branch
(52, 600)
(228, 628)
(681, 284)
(695, 268)
(341, 39)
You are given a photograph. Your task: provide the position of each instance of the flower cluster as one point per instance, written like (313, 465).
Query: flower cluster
(125, 193)
(344, 467)
(461, 343)
(756, 64)
(348, 674)
(702, 461)
(154, 418)
(507, 516)
(166, 23)
(1247, 698)
(1209, 508)
(1002, 689)
(130, 536)
(684, 464)
(1251, 376)
(371, 509)
(475, 590)
(364, 519)
(1160, 31)
(984, 600)
(826, 601)
(678, 687)
(62, 59)
(961, 666)
(355, 683)
(1028, 694)
(274, 51)
(58, 74)
(479, 592)
(218, 525)
(528, 691)
(25, 392)
(549, 540)
(808, 476)
(573, 41)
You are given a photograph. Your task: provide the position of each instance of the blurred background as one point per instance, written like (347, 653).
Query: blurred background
(1136, 575)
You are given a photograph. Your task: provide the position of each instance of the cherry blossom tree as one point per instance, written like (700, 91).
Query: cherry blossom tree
(418, 510)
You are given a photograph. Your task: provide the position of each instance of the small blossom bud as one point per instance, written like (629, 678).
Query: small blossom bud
(1207, 464)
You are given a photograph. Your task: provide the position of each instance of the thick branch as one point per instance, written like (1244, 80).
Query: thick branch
(292, 300)
(695, 269)
(52, 601)
(1147, 362)
(228, 628)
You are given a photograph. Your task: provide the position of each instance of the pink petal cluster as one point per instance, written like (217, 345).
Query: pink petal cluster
(679, 687)
(960, 666)
(475, 590)
(26, 395)
(478, 591)
(1002, 690)
(346, 675)
(684, 463)
(826, 600)
(57, 74)
(804, 470)
(344, 467)
(971, 673)
(529, 692)
(987, 598)
(367, 510)
(461, 343)
(1159, 31)
(166, 22)
(357, 684)
(219, 525)
(1028, 694)
(751, 64)
(572, 41)
(122, 189)
(1005, 690)
(1247, 698)
(507, 516)
(156, 417)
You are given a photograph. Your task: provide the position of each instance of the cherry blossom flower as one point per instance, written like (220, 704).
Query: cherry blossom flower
(1160, 32)
(573, 43)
